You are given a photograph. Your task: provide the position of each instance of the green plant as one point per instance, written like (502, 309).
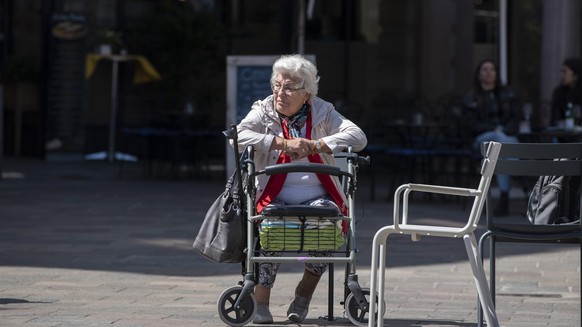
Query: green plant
(108, 36)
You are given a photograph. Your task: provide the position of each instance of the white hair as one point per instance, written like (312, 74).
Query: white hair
(297, 67)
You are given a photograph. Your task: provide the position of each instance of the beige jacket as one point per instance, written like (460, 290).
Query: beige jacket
(262, 124)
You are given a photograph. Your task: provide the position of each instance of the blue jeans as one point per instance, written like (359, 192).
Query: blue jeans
(496, 136)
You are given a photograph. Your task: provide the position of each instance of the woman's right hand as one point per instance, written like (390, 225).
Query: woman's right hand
(298, 148)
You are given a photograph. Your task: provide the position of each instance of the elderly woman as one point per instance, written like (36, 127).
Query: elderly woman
(493, 115)
(293, 124)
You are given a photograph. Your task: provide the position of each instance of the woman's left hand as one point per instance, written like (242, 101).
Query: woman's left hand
(299, 148)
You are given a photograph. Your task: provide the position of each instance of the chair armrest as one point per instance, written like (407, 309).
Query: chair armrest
(439, 189)
(401, 197)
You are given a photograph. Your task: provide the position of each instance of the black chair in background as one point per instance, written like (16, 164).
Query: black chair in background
(533, 160)
(398, 140)
(353, 111)
(453, 159)
(172, 145)
(380, 111)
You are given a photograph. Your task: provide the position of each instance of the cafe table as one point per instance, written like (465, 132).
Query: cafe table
(144, 72)
(565, 135)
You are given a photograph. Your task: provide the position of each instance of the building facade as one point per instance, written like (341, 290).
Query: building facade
(368, 52)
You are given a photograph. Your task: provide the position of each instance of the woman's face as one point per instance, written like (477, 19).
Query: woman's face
(487, 74)
(568, 76)
(288, 94)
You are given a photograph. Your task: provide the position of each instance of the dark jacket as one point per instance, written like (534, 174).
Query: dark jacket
(486, 110)
(560, 98)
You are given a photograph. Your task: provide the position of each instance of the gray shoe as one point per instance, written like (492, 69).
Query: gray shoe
(263, 315)
(298, 309)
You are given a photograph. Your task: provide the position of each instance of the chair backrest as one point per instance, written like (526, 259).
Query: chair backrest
(538, 159)
(490, 159)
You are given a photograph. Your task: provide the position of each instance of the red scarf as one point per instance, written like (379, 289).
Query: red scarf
(275, 183)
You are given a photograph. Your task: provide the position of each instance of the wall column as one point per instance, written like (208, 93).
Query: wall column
(560, 40)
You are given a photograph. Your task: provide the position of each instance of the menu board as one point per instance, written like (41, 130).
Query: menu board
(252, 84)
(248, 79)
(65, 83)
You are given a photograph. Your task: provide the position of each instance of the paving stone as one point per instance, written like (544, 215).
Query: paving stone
(100, 250)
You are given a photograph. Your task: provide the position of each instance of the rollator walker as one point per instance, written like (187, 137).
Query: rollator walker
(297, 233)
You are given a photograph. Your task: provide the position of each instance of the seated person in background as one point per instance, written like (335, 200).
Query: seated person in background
(294, 125)
(493, 114)
(568, 95)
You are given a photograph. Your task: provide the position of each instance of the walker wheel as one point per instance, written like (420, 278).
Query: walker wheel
(355, 314)
(232, 316)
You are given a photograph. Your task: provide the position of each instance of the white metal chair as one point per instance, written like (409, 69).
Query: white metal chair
(402, 226)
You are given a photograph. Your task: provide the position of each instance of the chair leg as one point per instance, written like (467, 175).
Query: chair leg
(480, 281)
(492, 267)
(377, 276)
(484, 238)
(373, 283)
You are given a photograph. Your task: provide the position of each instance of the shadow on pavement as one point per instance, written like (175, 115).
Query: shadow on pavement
(82, 216)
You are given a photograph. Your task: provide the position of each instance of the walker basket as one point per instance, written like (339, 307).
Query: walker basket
(301, 234)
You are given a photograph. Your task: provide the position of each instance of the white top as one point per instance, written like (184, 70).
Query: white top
(300, 187)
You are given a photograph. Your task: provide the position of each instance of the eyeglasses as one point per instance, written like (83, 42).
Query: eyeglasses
(286, 88)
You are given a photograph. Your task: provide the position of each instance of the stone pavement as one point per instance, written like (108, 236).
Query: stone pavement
(80, 246)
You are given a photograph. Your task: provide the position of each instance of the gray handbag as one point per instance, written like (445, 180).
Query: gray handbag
(555, 200)
(221, 237)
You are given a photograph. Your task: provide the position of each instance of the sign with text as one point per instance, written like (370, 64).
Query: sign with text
(65, 84)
